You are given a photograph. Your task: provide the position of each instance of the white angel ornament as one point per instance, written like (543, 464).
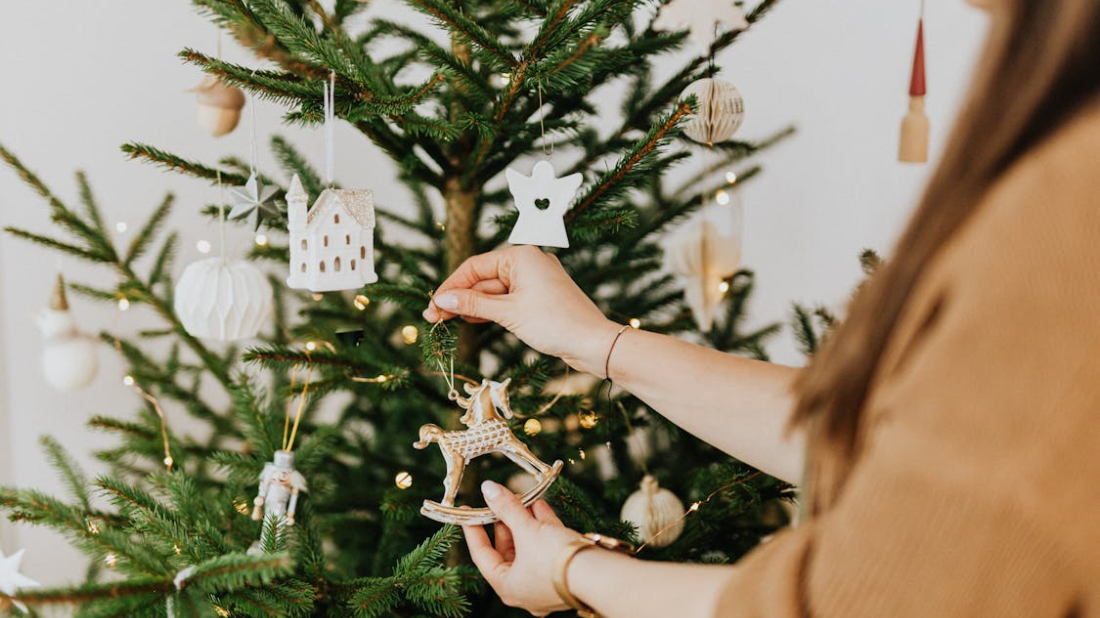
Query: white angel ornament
(542, 199)
(280, 485)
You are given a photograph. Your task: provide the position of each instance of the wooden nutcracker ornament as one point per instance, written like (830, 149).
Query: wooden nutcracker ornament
(915, 127)
(486, 411)
(280, 485)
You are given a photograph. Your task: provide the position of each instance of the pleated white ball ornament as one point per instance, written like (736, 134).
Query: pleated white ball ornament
(656, 512)
(219, 299)
(69, 359)
(719, 110)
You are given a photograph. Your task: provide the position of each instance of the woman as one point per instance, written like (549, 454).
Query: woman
(952, 426)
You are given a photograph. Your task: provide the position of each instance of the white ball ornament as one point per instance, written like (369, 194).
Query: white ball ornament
(69, 358)
(656, 512)
(719, 110)
(219, 299)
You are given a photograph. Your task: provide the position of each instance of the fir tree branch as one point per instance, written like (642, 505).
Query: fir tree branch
(179, 165)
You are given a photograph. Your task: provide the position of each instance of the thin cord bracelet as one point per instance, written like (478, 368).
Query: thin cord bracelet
(610, 351)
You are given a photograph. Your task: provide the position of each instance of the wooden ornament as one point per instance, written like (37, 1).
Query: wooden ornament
(487, 409)
(915, 127)
(218, 105)
(719, 110)
(331, 244)
(216, 299)
(656, 512)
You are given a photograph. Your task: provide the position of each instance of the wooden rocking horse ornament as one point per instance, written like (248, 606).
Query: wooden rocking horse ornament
(486, 412)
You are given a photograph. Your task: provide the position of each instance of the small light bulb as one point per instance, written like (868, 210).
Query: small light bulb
(221, 611)
(731, 177)
(532, 427)
(260, 240)
(382, 378)
(128, 380)
(581, 451)
(588, 420)
(635, 323)
(121, 227)
(695, 506)
(168, 461)
(403, 480)
(177, 548)
(203, 246)
(722, 197)
(410, 334)
(318, 297)
(442, 226)
(724, 287)
(361, 302)
(311, 346)
(241, 506)
(123, 304)
(110, 560)
(93, 528)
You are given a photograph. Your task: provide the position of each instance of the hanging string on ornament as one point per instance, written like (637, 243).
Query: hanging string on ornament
(329, 89)
(254, 199)
(280, 483)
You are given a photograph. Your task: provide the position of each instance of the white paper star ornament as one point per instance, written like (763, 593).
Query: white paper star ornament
(11, 580)
(253, 199)
(701, 17)
(542, 199)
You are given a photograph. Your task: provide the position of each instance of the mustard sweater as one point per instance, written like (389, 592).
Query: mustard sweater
(977, 491)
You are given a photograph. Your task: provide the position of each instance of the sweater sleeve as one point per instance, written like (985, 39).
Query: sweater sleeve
(978, 486)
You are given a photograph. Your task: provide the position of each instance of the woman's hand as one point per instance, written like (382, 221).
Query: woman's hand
(520, 566)
(528, 292)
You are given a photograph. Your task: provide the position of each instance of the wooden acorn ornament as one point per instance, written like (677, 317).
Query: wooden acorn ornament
(915, 127)
(656, 512)
(218, 106)
(487, 409)
(719, 110)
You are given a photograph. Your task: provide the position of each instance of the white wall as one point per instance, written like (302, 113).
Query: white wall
(81, 78)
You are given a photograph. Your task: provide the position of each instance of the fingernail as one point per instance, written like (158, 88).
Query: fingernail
(447, 301)
(490, 490)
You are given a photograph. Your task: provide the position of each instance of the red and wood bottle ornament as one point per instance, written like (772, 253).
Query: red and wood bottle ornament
(913, 146)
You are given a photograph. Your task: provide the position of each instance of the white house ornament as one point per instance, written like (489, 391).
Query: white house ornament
(69, 359)
(332, 243)
(719, 110)
(656, 512)
(254, 199)
(280, 485)
(218, 105)
(542, 199)
(12, 581)
(703, 255)
(487, 409)
(219, 299)
(702, 18)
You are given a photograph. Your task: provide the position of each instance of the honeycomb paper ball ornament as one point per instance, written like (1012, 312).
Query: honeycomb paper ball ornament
(656, 512)
(218, 106)
(217, 299)
(719, 110)
(69, 358)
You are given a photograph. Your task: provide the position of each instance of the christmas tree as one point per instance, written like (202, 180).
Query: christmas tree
(505, 80)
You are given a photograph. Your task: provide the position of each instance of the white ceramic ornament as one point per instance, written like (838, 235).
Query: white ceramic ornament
(702, 18)
(719, 110)
(331, 244)
(218, 299)
(69, 359)
(11, 580)
(703, 254)
(542, 199)
(656, 512)
(218, 105)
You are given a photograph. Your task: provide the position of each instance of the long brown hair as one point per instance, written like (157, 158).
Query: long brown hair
(1041, 64)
